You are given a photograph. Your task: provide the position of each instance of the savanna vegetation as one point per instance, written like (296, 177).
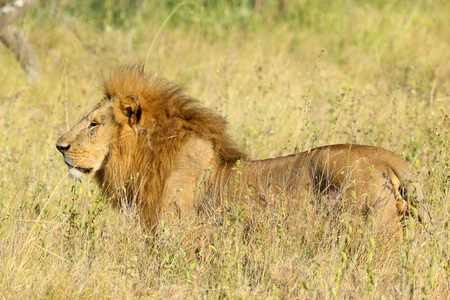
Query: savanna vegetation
(288, 76)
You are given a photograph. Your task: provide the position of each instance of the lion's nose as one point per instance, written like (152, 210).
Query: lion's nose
(62, 147)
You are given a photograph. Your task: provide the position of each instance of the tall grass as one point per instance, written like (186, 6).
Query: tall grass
(369, 72)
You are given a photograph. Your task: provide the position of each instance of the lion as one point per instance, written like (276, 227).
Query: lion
(148, 144)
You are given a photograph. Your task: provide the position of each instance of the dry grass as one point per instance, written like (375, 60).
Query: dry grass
(368, 73)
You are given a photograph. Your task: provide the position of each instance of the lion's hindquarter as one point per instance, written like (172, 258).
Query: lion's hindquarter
(372, 178)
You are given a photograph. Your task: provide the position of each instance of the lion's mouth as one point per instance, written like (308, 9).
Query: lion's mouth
(82, 170)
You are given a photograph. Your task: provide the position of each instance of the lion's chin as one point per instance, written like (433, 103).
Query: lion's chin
(76, 172)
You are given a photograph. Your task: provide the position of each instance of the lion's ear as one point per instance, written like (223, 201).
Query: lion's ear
(131, 109)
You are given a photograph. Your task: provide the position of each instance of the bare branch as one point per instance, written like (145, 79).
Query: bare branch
(14, 10)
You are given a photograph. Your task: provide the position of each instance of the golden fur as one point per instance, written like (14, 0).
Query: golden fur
(150, 145)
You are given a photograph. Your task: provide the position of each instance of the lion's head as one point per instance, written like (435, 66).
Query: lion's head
(87, 146)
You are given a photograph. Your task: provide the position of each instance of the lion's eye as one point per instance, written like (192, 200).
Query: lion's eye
(92, 125)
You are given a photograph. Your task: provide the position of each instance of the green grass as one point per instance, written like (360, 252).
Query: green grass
(320, 72)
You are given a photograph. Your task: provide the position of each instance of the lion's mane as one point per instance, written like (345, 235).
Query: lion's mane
(139, 164)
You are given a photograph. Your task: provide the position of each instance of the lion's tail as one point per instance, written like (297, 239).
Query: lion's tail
(410, 196)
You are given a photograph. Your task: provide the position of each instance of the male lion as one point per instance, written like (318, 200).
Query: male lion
(148, 144)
